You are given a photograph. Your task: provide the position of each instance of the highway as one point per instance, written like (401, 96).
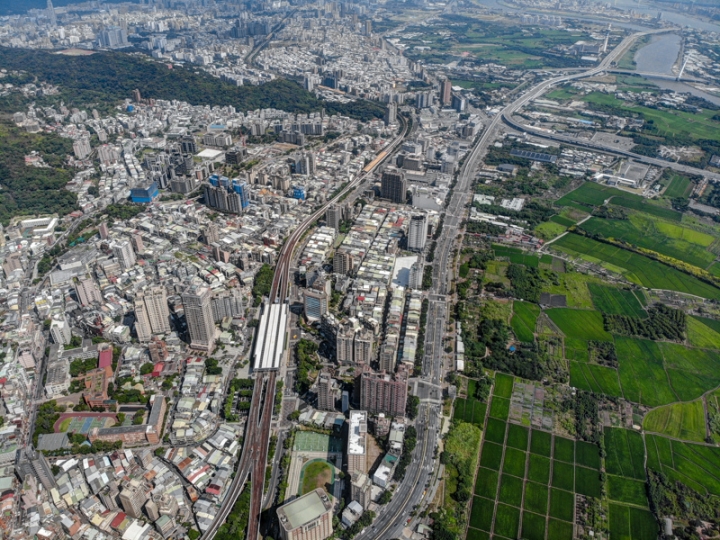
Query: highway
(394, 516)
(253, 459)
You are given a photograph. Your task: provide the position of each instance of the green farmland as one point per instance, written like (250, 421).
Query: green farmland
(636, 268)
(684, 421)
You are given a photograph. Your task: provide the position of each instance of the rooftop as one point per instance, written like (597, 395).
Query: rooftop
(305, 509)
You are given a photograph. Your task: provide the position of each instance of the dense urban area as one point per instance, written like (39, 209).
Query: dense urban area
(308, 270)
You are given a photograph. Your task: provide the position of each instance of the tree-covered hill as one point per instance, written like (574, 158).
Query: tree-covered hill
(103, 78)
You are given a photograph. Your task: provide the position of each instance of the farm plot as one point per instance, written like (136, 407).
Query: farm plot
(585, 325)
(694, 465)
(692, 372)
(702, 334)
(470, 410)
(684, 421)
(614, 301)
(625, 453)
(594, 378)
(626, 490)
(631, 523)
(680, 243)
(524, 320)
(589, 194)
(503, 385)
(528, 494)
(642, 373)
(636, 268)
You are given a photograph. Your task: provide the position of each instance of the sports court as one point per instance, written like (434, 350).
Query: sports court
(83, 423)
(309, 441)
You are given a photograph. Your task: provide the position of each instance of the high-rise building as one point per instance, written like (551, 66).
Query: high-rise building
(317, 297)
(416, 275)
(30, 462)
(307, 518)
(109, 497)
(152, 315)
(342, 263)
(51, 13)
(391, 113)
(132, 499)
(334, 216)
(344, 346)
(360, 489)
(81, 148)
(112, 37)
(228, 304)
(199, 316)
(382, 393)
(326, 393)
(211, 234)
(394, 185)
(103, 230)
(417, 233)
(124, 254)
(88, 292)
(446, 92)
(60, 330)
(357, 443)
(363, 347)
(137, 243)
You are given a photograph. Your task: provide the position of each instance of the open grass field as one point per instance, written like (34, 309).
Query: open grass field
(590, 194)
(549, 230)
(666, 238)
(628, 523)
(536, 497)
(511, 490)
(503, 385)
(539, 469)
(683, 420)
(615, 301)
(495, 431)
(625, 453)
(702, 334)
(580, 324)
(486, 483)
(636, 268)
(316, 473)
(533, 526)
(595, 378)
(541, 443)
(575, 288)
(692, 464)
(680, 186)
(562, 504)
(524, 319)
(626, 490)
(517, 437)
(514, 462)
(642, 373)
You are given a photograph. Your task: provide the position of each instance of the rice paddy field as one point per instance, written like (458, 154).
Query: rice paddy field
(684, 421)
(667, 238)
(527, 481)
(692, 464)
(636, 268)
(524, 320)
(615, 301)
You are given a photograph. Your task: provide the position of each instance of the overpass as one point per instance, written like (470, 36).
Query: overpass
(660, 76)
